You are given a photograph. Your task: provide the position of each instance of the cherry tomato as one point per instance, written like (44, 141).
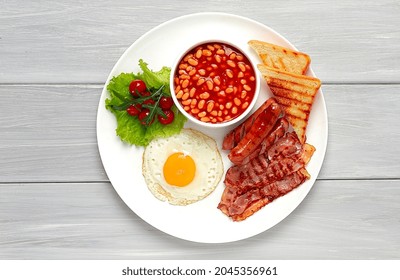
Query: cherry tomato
(166, 102)
(170, 117)
(149, 101)
(146, 93)
(134, 110)
(137, 86)
(142, 117)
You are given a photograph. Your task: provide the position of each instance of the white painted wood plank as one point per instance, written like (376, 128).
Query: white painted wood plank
(48, 133)
(74, 41)
(364, 137)
(337, 220)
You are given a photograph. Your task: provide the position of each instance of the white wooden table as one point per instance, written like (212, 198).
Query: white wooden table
(56, 201)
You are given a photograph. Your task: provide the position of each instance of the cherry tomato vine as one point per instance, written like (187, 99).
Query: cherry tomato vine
(147, 104)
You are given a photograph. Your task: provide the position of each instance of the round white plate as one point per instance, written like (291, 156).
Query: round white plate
(201, 221)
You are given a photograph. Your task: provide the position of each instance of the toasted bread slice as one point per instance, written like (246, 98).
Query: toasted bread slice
(281, 58)
(307, 154)
(298, 119)
(295, 93)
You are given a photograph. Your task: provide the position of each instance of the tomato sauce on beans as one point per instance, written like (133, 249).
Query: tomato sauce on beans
(214, 82)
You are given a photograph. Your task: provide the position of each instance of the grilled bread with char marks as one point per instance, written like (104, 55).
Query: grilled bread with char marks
(295, 93)
(281, 58)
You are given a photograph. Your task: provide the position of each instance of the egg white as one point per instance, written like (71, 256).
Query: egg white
(201, 148)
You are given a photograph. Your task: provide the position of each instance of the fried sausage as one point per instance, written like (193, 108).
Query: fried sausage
(237, 134)
(277, 132)
(261, 127)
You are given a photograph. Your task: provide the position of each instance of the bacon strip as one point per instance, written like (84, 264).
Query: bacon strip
(240, 207)
(268, 162)
(251, 186)
(283, 158)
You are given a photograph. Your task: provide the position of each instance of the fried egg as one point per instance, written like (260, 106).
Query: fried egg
(183, 168)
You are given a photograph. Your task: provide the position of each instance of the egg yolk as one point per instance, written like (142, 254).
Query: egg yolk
(179, 169)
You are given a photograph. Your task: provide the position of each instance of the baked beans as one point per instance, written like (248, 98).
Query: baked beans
(214, 82)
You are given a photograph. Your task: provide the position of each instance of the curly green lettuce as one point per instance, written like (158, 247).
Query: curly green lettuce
(129, 128)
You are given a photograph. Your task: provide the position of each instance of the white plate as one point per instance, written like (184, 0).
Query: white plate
(201, 221)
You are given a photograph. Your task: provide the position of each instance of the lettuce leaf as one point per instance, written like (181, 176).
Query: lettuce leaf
(129, 128)
(155, 79)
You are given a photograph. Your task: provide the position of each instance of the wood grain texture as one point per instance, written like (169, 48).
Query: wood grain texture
(48, 133)
(55, 198)
(89, 221)
(363, 133)
(54, 140)
(80, 41)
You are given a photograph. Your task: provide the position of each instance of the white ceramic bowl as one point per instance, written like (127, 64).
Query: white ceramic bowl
(232, 121)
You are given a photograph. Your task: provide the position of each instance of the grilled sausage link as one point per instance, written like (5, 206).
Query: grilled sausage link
(237, 134)
(261, 127)
(277, 132)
